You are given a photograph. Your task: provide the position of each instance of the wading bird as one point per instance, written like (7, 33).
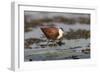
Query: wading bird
(53, 34)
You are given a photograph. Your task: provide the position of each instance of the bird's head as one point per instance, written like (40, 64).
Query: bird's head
(61, 28)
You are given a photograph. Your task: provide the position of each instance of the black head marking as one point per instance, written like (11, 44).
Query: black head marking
(61, 28)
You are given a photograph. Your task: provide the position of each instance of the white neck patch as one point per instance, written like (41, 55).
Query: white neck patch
(60, 34)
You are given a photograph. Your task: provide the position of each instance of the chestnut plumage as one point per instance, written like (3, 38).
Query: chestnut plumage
(53, 33)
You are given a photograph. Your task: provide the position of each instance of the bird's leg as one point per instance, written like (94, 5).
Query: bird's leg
(48, 42)
(55, 42)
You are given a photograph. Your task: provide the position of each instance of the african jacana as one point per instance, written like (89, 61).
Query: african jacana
(53, 33)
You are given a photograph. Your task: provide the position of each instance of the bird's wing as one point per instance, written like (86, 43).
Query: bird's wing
(50, 33)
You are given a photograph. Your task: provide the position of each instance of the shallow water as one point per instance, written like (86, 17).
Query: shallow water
(75, 46)
(70, 50)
